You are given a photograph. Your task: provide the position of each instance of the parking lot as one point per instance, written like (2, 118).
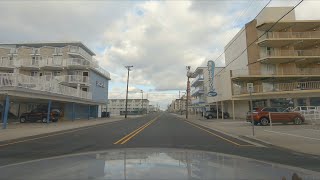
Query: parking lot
(303, 138)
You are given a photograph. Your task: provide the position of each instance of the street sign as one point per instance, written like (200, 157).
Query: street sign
(250, 87)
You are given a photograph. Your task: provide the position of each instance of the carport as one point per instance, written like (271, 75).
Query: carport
(17, 99)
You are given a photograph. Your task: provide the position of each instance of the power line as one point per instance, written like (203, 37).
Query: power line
(259, 37)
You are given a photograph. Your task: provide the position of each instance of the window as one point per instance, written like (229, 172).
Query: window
(56, 73)
(34, 73)
(35, 60)
(58, 50)
(36, 51)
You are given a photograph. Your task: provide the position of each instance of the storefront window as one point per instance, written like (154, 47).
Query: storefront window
(302, 102)
(315, 101)
(259, 103)
(281, 102)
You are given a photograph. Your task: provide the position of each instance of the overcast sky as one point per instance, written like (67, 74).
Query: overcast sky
(159, 38)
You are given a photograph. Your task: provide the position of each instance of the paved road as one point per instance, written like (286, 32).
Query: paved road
(154, 130)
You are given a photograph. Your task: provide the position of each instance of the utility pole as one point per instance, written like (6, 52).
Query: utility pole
(126, 113)
(142, 102)
(188, 90)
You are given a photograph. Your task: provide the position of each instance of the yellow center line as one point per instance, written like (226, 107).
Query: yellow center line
(214, 134)
(135, 132)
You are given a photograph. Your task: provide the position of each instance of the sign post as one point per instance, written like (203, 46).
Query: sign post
(250, 90)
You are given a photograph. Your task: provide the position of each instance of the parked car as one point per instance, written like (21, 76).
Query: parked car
(213, 114)
(39, 114)
(278, 114)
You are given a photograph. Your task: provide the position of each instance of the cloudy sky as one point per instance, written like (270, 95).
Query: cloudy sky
(159, 38)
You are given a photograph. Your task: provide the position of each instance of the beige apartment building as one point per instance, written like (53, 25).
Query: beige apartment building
(62, 73)
(282, 61)
(179, 105)
(135, 106)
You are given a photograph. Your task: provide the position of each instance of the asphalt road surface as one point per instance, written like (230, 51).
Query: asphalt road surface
(161, 130)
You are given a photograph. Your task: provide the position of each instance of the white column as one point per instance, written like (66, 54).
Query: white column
(99, 111)
(222, 108)
(78, 90)
(217, 104)
(233, 115)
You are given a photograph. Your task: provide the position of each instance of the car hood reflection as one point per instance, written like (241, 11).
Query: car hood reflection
(145, 163)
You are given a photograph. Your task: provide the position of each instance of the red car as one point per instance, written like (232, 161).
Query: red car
(282, 115)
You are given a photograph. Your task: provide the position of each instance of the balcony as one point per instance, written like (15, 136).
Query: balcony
(40, 84)
(198, 101)
(286, 56)
(197, 91)
(52, 64)
(6, 64)
(30, 64)
(280, 39)
(279, 72)
(78, 51)
(73, 79)
(278, 87)
(197, 80)
(77, 63)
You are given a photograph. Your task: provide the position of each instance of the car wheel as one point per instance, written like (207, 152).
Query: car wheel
(297, 121)
(22, 120)
(44, 120)
(210, 116)
(226, 116)
(264, 121)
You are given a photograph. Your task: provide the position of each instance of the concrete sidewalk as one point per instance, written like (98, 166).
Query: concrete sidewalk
(22, 130)
(301, 138)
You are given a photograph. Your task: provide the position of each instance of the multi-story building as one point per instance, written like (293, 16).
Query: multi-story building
(281, 59)
(178, 105)
(135, 106)
(64, 73)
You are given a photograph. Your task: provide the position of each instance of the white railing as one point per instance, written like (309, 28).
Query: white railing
(310, 34)
(52, 62)
(284, 71)
(40, 84)
(102, 71)
(198, 100)
(197, 89)
(278, 87)
(199, 77)
(30, 63)
(80, 51)
(271, 53)
(7, 63)
(77, 62)
(77, 79)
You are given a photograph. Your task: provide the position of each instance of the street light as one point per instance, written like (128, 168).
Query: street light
(126, 113)
(189, 74)
(141, 101)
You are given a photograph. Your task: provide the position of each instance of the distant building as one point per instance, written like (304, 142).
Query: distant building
(135, 106)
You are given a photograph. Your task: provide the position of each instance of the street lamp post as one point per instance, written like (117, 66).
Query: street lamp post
(126, 113)
(189, 74)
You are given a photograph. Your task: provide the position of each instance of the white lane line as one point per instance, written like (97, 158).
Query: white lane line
(293, 135)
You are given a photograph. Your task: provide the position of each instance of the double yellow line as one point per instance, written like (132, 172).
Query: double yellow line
(135, 132)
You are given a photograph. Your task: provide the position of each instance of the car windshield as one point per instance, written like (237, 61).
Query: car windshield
(233, 77)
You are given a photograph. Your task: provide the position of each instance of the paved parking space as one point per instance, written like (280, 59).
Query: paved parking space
(301, 138)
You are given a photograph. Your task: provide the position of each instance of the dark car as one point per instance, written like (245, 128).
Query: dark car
(213, 114)
(277, 114)
(39, 114)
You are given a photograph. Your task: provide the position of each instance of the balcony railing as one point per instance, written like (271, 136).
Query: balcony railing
(7, 63)
(33, 63)
(198, 101)
(278, 87)
(310, 34)
(279, 72)
(295, 53)
(40, 84)
(196, 79)
(76, 79)
(77, 62)
(80, 51)
(52, 62)
(198, 90)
